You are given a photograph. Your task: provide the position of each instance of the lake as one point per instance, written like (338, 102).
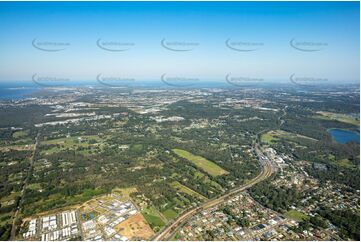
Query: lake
(343, 136)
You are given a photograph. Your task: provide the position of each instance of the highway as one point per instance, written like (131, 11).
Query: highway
(267, 169)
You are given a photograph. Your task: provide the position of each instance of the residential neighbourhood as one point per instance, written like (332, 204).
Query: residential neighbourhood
(242, 218)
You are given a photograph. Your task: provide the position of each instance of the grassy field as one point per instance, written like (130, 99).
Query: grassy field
(153, 218)
(202, 176)
(181, 188)
(345, 163)
(298, 216)
(57, 201)
(136, 148)
(267, 138)
(338, 117)
(34, 186)
(275, 135)
(17, 147)
(125, 191)
(19, 134)
(12, 196)
(204, 164)
(85, 144)
(170, 214)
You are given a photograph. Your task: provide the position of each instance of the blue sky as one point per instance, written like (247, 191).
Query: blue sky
(270, 25)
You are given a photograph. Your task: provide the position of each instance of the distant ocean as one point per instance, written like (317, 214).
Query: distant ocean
(16, 90)
(22, 89)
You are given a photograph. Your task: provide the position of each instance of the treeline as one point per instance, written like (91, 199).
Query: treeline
(277, 198)
(19, 167)
(22, 116)
(346, 220)
(5, 231)
(349, 177)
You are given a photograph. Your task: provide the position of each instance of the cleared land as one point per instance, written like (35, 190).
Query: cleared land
(170, 214)
(276, 135)
(181, 188)
(267, 138)
(125, 192)
(19, 134)
(17, 147)
(345, 163)
(298, 216)
(338, 117)
(208, 166)
(83, 144)
(135, 227)
(153, 218)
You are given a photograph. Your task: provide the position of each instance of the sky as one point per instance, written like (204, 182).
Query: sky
(205, 40)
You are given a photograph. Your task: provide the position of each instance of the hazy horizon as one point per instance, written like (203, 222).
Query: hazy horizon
(205, 40)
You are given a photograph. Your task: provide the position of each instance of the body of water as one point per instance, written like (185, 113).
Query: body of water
(343, 136)
(16, 90)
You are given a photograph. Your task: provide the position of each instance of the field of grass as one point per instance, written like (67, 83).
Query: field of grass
(12, 196)
(136, 148)
(204, 164)
(267, 138)
(125, 192)
(34, 186)
(57, 201)
(153, 218)
(15, 177)
(345, 163)
(170, 214)
(19, 134)
(51, 151)
(276, 135)
(198, 175)
(22, 147)
(84, 143)
(89, 193)
(298, 216)
(338, 117)
(181, 188)
(74, 139)
(202, 176)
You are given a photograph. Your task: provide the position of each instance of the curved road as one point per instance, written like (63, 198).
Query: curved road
(268, 169)
(265, 173)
